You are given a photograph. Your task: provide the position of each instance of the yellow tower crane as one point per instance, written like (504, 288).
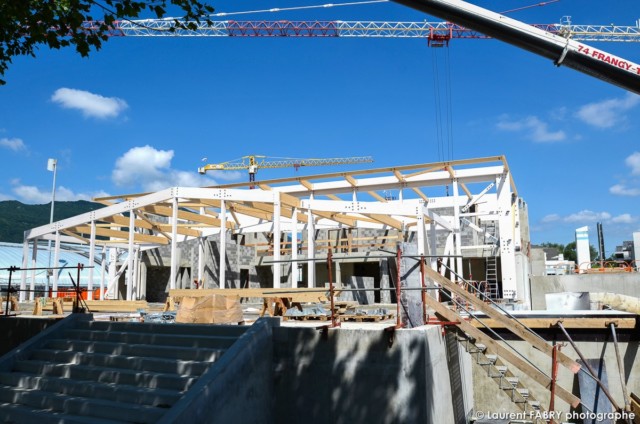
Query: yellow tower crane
(254, 162)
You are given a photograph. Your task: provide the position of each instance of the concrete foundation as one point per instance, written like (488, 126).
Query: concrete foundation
(624, 283)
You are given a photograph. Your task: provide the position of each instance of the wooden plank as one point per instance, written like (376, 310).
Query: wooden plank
(296, 295)
(106, 305)
(501, 351)
(510, 324)
(635, 408)
(566, 322)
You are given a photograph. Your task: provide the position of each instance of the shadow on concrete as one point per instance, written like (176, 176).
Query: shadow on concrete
(354, 376)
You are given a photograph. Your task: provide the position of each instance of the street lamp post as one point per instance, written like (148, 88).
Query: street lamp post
(52, 165)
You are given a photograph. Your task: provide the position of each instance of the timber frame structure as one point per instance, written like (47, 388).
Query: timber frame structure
(482, 216)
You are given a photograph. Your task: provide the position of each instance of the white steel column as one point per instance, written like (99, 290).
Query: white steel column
(311, 249)
(294, 248)
(56, 263)
(135, 287)
(222, 264)
(92, 257)
(433, 236)
(34, 265)
(201, 241)
(103, 269)
(142, 276)
(420, 228)
(457, 242)
(113, 263)
(130, 256)
(23, 274)
(174, 243)
(277, 266)
(506, 226)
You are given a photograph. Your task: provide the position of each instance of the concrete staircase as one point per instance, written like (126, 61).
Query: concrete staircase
(108, 372)
(499, 372)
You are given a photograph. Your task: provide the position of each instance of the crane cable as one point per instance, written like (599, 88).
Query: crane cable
(288, 9)
(443, 106)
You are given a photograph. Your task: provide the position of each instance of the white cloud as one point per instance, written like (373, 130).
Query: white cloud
(151, 170)
(622, 190)
(34, 195)
(588, 216)
(535, 129)
(633, 162)
(551, 218)
(14, 144)
(91, 105)
(608, 113)
(625, 218)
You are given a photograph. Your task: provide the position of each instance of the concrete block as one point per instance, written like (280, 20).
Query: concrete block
(362, 297)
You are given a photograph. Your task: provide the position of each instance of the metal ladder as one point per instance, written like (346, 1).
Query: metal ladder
(491, 263)
(491, 266)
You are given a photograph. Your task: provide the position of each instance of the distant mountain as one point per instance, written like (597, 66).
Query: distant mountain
(16, 217)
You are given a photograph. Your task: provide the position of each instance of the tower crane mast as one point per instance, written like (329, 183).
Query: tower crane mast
(254, 162)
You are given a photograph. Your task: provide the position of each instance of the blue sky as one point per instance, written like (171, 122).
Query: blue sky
(142, 113)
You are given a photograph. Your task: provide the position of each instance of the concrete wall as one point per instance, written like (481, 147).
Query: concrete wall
(18, 330)
(237, 388)
(627, 283)
(359, 376)
(594, 344)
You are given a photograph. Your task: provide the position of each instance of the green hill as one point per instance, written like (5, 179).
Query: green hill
(16, 217)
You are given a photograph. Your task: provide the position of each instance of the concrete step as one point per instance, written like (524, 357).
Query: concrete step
(219, 342)
(490, 359)
(132, 349)
(192, 368)
(97, 408)
(118, 393)
(184, 329)
(20, 414)
(502, 369)
(106, 375)
(481, 347)
(512, 382)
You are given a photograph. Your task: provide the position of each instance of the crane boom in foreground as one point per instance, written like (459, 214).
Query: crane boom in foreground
(254, 162)
(563, 51)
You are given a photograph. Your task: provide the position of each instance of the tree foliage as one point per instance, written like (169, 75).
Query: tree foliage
(16, 217)
(84, 25)
(569, 251)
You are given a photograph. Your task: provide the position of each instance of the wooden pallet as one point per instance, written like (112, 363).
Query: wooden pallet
(308, 317)
(365, 318)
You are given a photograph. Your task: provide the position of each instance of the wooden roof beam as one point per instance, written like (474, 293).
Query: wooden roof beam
(421, 194)
(466, 190)
(376, 196)
(189, 216)
(351, 180)
(123, 235)
(386, 220)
